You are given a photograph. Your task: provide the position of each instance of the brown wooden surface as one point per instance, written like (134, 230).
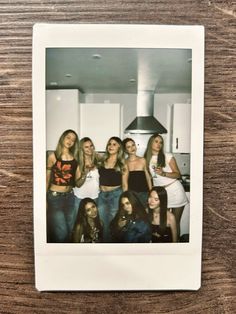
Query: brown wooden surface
(17, 292)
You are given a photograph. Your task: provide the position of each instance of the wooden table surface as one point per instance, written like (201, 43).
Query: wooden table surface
(17, 291)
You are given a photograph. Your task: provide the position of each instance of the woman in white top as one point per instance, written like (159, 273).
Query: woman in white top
(88, 183)
(165, 172)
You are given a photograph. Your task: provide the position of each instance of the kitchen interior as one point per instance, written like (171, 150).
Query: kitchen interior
(125, 92)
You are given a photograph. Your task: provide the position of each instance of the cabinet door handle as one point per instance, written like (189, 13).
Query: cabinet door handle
(177, 143)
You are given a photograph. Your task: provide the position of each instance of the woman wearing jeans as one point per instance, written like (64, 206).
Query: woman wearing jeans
(113, 180)
(62, 172)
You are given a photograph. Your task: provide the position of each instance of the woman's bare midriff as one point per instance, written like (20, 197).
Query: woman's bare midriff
(60, 188)
(104, 188)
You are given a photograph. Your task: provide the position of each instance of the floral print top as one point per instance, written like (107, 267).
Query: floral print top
(63, 172)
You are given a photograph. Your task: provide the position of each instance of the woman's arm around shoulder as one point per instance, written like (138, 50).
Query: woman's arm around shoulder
(172, 223)
(80, 177)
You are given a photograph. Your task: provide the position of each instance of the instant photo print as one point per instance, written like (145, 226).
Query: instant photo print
(118, 156)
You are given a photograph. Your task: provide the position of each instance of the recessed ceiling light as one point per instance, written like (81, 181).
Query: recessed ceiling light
(68, 75)
(53, 83)
(96, 56)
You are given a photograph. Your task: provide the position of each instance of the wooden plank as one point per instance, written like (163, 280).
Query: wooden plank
(17, 292)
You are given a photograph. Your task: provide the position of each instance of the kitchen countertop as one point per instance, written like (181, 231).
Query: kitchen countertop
(18, 294)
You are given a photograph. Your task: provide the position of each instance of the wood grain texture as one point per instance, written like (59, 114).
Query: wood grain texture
(17, 292)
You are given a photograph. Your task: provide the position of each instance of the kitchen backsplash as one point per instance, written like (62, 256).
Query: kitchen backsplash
(183, 161)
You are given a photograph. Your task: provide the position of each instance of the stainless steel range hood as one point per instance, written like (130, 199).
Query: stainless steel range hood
(145, 123)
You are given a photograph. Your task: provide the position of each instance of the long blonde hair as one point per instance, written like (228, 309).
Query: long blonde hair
(81, 153)
(73, 150)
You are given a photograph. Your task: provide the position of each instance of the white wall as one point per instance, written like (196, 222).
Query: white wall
(161, 103)
(99, 121)
(129, 102)
(67, 102)
(62, 113)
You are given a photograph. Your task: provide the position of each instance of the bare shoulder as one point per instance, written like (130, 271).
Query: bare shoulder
(172, 160)
(51, 158)
(143, 159)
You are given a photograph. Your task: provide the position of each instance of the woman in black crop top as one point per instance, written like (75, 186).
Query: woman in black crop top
(113, 180)
(139, 179)
(62, 171)
(163, 221)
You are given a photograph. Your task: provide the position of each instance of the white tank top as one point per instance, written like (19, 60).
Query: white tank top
(90, 188)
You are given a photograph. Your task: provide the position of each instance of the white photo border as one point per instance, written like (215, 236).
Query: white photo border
(86, 267)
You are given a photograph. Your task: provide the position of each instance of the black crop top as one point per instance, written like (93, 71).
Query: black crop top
(137, 181)
(162, 236)
(109, 177)
(63, 172)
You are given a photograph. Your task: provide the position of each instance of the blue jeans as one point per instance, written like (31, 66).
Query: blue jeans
(108, 203)
(60, 216)
(143, 197)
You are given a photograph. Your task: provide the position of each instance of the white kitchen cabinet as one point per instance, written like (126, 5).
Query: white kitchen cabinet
(181, 128)
(100, 121)
(62, 113)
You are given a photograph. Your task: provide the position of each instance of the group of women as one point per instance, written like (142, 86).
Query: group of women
(108, 198)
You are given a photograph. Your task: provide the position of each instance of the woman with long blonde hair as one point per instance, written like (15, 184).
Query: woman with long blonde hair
(62, 172)
(113, 180)
(87, 185)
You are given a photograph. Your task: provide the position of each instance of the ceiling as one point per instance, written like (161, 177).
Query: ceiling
(119, 70)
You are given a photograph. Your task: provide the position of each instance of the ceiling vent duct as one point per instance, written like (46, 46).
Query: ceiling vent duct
(145, 123)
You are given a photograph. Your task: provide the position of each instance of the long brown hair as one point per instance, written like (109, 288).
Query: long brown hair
(82, 218)
(120, 160)
(148, 152)
(138, 210)
(162, 194)
(125, 141)
(81, 153)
